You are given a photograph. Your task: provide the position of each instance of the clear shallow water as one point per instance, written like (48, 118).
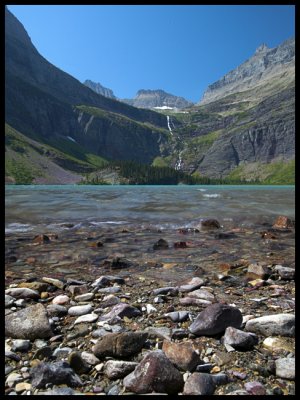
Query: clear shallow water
(29, 207)
(128, 220)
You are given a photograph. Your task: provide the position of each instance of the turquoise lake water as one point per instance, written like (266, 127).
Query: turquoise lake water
(29, 207)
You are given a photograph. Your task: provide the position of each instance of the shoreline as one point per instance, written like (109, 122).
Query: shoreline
(150, 294)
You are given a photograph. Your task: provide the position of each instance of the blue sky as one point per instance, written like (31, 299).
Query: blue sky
(180, 49)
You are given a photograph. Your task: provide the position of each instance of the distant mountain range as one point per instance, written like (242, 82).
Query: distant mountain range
(58, 129)
(151, 99)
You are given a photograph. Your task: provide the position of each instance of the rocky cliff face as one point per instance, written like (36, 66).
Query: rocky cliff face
(246, 120)
(42, 100)
(157, 99)
(264, 65)
(98, 88)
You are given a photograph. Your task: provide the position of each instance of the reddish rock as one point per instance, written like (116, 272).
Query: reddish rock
(182, 355)
(41, 239)
(255, 388)
(210, 224)
(155, 373)
(180, 245)
(283, 222)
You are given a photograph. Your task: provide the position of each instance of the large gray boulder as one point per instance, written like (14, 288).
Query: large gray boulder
(29, 323)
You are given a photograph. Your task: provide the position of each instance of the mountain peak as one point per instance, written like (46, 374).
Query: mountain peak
(261, 49)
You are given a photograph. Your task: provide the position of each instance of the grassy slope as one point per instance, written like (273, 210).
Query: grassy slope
(28, 161)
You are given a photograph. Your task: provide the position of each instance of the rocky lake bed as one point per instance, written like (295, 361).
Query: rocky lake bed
(138, 310)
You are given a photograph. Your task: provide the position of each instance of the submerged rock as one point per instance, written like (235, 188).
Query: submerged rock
(161, 244)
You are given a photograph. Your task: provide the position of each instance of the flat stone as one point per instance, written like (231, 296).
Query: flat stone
(115, 369)
(278, 344)
(62, 352)
(215, 319)
(182, 355)
(285, 368)
(84, 297)
(191, 301)
(240, 340)
(29, 323)
(170, 290)
(56, 373)
(177, 316)
(121, 310)
(55, 282)
(273, 325)
(86, 318)
(80, 310)
(22, 293)
(202, 294)
(192, 284)
(123, 344)
(155, 373)
(61, 299)
(111, 289)
(255, 388)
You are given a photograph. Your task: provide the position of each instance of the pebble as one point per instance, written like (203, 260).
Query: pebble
(61, 299)
(55, 282)
(21, 345)
(80, 310)
(86, 318)
(84, 297)
(56, 373)
(285, 273)
(23, 293)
